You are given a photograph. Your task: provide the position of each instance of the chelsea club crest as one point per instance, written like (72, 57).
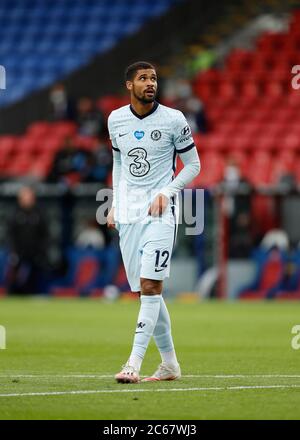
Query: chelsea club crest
(155, 135)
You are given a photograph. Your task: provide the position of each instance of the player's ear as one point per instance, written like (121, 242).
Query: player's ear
(129, 85)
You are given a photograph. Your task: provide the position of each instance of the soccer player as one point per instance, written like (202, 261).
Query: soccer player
(146, 137)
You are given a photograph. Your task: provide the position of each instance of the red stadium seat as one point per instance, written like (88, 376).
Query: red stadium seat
(214, 141)
(109, 103)
(240, 142)
(41, 167)
(290, 141)
(239, 61)
(19, 168)
(7, 144)
(272, 41)
(26, 145)
(50, 144)
(63, 129)
(283, 115)
(270, 275)
(205, 84)
(250, 89)
(38, 129)
(227, 89)
(212, 168)
(205, 91)
(266, 141)
(274, 88)
(227, 127)
(197, 140)
(85, 142)
(258, 171)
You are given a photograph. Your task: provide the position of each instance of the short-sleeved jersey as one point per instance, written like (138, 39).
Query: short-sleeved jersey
(148, 146)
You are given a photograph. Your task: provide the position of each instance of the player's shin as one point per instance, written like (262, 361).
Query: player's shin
(163, 336)
(147, 319)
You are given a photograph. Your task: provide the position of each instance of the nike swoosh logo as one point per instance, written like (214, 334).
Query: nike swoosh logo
(158, 270)
(122, 134)
(138, 332)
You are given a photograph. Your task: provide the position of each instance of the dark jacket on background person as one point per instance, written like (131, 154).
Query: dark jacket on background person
(28, 240)
(28, 233)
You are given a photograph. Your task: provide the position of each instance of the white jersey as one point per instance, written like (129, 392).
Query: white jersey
(148, 146)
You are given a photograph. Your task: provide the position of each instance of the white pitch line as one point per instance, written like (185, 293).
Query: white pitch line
(145, 390)
(109, 376)
(242, 376)
(57, 376)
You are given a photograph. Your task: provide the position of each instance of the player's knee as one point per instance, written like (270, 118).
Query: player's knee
(151, 287)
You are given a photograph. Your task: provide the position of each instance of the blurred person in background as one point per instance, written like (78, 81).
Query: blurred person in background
(61, 106)
(93, 235)
(180, 92)
(193, 110)
(237, 205)
(71, 165)
(101, 162)
(28, 240)
(90, 120)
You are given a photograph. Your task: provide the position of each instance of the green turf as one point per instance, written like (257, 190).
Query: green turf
(55, 340)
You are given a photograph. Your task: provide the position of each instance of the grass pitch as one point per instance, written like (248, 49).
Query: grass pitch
(236, 358)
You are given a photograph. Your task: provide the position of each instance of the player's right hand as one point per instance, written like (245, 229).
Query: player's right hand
(111, 218)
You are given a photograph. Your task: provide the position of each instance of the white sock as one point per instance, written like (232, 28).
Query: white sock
(163, 336)
(149, 311)
(169, 358)
(135, 362)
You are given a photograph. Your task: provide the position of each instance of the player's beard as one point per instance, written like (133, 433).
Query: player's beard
(143, 98)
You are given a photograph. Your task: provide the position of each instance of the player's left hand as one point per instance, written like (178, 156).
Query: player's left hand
(158, 205)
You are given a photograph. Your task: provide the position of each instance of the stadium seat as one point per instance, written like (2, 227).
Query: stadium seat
(269, 271)
(88, 269)
(41, 166)
(214, 141)
(38, 129)
(85, 142)
(64, 128)
(288, 287)
(50, 144)
(109, 103)
(7, 142)
(212, 167)
(26, 145)
(290, 141)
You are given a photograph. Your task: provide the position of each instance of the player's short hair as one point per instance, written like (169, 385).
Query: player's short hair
(131, 70)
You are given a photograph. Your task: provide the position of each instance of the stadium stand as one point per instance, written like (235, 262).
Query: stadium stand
(41, 41)
(253, 109)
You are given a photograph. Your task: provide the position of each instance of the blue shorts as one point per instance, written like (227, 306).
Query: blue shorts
(146, 250)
